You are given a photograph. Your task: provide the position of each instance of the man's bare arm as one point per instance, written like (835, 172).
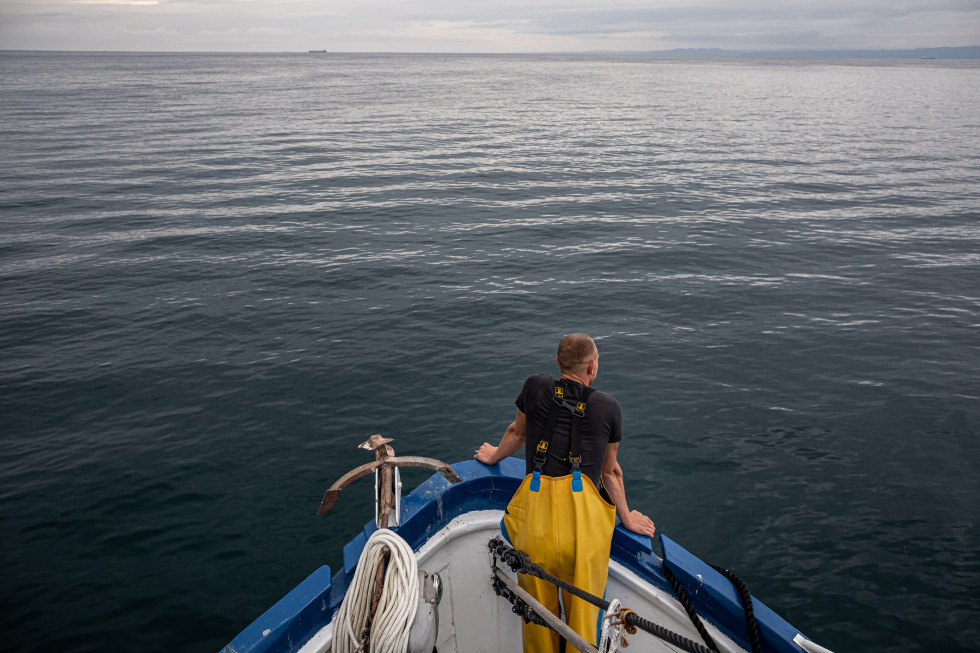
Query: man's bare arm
(512, 441)
(612, 480)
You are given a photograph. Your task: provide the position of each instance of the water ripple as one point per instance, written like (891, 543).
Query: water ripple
(214, 266)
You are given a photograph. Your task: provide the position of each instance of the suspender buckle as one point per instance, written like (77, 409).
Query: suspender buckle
(541, 455)
(576, 462)
(559, 395)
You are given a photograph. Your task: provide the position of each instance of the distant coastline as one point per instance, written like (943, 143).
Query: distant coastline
(964, 52)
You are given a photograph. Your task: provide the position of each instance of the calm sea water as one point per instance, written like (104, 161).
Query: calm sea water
(219, 273)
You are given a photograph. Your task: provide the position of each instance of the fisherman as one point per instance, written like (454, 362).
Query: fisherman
(563, 514)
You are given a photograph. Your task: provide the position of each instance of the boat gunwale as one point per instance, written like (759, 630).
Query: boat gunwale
(431, 506)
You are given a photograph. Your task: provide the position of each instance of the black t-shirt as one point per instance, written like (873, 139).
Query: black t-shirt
(602, 424)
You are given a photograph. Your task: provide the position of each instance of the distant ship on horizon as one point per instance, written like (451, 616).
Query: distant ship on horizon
(318, 51)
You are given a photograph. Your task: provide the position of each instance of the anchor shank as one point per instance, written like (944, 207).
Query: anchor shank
(384, 455)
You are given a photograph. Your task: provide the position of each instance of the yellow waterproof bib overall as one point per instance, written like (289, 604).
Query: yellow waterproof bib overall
(565, 525)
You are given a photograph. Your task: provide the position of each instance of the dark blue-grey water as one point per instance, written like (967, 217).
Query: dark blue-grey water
(219, 273)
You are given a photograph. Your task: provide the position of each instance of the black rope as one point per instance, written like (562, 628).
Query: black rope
(668, 636)
(518, 605)
(520, 563)
(743, 593)
(691, 612)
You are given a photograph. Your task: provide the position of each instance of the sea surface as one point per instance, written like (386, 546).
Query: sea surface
(220, 273)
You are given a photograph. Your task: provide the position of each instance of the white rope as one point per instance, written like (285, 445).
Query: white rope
(611, 635)
(399, 598)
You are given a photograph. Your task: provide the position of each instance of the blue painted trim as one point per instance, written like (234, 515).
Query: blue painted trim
(288, 621)
(713, 595)
(719, 602)
(436, 502)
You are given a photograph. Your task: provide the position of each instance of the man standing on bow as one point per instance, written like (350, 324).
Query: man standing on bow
(563, 514)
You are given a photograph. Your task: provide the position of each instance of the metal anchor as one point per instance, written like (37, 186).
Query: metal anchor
(387, 489)
(388, 481)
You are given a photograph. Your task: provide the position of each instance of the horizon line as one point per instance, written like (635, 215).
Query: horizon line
(679, 50)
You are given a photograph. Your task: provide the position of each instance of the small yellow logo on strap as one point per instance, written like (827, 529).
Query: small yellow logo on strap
(560, 392)
(580, 406)
(542, 446)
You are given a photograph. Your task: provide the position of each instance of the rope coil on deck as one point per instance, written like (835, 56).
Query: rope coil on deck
(396, 611)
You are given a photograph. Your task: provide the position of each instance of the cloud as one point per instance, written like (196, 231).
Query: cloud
(115, 2)
(471, 26)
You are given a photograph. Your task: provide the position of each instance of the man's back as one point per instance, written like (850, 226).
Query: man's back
(601, 425)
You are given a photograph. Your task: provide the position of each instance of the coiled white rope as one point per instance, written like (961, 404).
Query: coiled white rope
(611, 635)
(399, 598)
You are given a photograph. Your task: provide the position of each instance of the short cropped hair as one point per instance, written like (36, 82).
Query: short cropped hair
(575, 351)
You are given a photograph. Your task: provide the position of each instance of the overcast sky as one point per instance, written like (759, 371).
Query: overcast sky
(484, 26)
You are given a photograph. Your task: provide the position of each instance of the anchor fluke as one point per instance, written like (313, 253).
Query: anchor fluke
(329, 501)
(385, 462)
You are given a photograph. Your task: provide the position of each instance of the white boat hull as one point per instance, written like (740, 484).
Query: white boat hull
(449, 527)
(473, 619)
